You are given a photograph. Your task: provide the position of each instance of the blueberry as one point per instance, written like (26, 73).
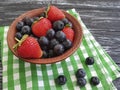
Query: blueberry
(26, 30)
(80, 73)
(58, 25)
(18, 35)
(61, 80)
(43, 41)
(50, 34)
(81, 81)
(94, 80)
(44, 47)
(60, 36)
(28, 21)
(65, 21)
(50, 53)
(45, 54)
(58, 49)
(43, 14)
(89, 61)
(19, 26)
(67, 44)
(53, 42)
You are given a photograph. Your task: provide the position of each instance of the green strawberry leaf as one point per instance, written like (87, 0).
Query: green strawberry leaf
(20, 41)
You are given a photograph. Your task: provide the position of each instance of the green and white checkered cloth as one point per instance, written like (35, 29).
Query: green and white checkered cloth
(19, 75)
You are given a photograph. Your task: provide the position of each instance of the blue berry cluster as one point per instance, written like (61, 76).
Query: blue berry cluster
(80, 75)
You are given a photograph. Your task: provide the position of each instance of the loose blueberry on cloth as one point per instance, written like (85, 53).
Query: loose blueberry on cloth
(19, 75)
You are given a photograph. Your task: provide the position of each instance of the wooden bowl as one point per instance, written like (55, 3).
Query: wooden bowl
(76, 43)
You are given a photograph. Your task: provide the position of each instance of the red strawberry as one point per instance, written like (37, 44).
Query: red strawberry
(55, 14)
(69, 33)
(40, 27)
(29, 48)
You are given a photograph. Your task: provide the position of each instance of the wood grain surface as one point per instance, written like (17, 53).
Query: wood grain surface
(102, 18)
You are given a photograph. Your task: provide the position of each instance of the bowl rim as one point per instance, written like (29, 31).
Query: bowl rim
(48, 60)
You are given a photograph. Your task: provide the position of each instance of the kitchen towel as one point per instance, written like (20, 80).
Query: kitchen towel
(19, 75)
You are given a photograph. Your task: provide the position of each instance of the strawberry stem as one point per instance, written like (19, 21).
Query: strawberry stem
(46, 14)
(48, 8)
(37, 20)
(17, 39)
(20, 41)
(67, 25)
(15, 46)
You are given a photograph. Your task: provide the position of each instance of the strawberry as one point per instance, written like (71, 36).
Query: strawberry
(69, 33)
(54, 14)
(40, 27)
(29, 48)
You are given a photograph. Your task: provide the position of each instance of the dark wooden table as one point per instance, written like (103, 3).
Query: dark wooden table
(102, 17)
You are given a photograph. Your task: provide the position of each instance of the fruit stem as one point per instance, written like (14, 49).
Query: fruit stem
(20, 41)
(37, 20)
(17, 39)
(46, 12)
(67, 25)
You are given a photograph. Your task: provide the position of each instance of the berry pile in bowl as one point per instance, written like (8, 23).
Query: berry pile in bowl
(44, 36)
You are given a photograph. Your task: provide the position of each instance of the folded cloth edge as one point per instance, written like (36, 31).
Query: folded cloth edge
(117, 67)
